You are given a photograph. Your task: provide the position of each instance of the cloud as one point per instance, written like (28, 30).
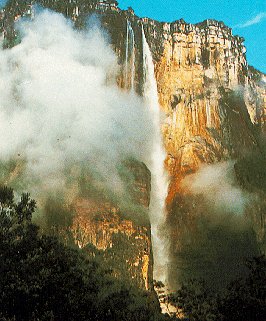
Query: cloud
(257, 19)
(61, 106)
(216, 183)
(212, 234)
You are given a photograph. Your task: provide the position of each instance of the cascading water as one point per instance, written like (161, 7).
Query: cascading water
(159, 176)
(127, 42)
(130, 57)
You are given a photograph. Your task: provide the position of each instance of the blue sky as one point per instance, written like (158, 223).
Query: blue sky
(2, 2)
(246, 17)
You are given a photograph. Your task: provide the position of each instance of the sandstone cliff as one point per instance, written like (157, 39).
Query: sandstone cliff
(121, 232)
(214, 106)
(215, 111)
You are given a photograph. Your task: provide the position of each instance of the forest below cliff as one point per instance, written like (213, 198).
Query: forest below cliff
(43, 279)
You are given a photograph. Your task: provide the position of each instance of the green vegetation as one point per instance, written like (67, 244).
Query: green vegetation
(254, 74)
(250, 172)
(243, 299)
(42, 279)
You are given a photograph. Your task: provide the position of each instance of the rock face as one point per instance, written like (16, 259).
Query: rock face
(124, 241)
(198, 69)
(96, 220)
(214, 105)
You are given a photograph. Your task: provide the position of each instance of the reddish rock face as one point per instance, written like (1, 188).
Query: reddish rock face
(123, 237)
(119, 239)
(202, 79)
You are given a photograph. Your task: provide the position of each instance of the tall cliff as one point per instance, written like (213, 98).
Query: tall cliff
(215, 112)
(214, 105)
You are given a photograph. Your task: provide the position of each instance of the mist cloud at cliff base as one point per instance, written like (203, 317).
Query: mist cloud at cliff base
(60, 107)
(218, 186)
(212, 231)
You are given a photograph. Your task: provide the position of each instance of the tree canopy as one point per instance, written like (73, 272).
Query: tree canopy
(243, 300)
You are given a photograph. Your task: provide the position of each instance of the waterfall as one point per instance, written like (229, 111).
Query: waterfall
(127, 42)
(208, 114)
(130, 57)
(159, 176)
